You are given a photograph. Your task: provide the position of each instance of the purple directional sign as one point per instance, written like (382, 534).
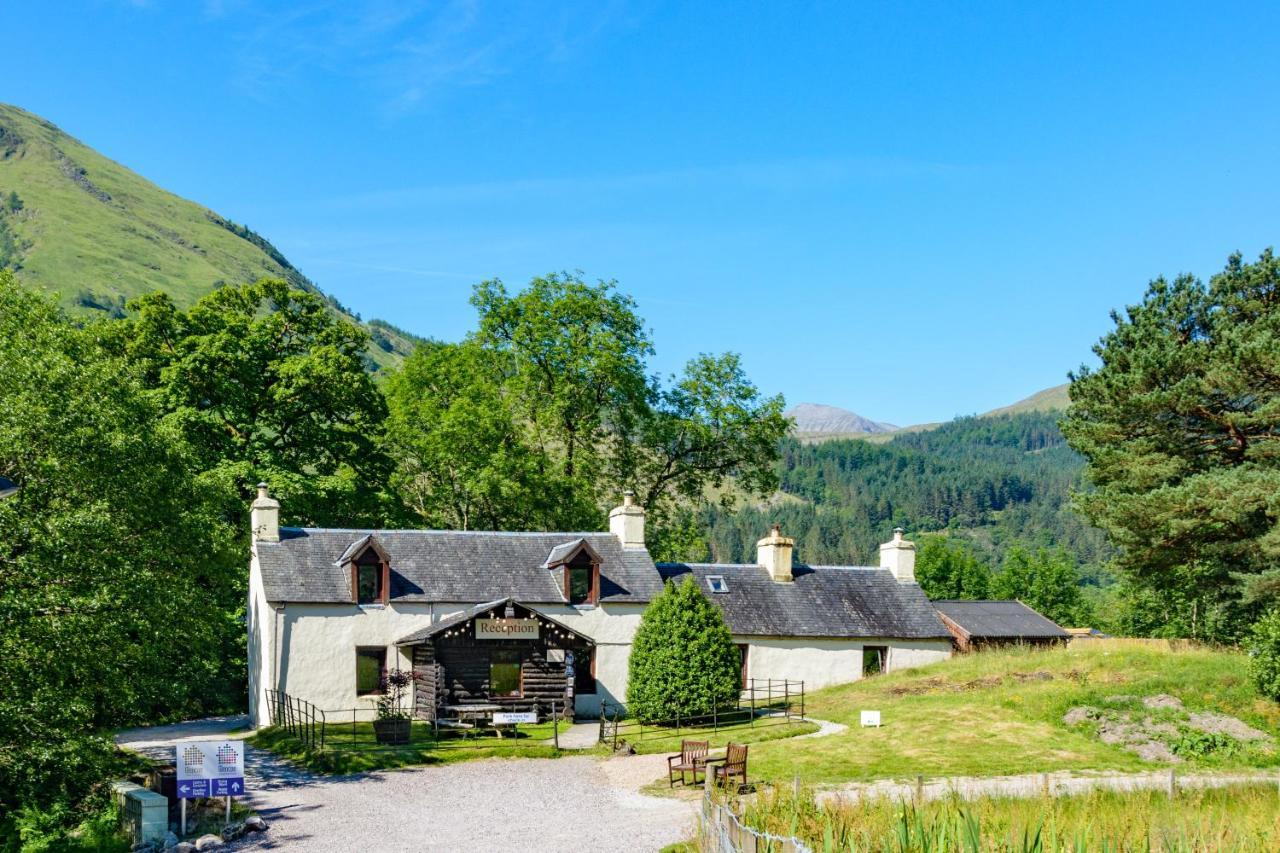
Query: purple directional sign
(210, 768)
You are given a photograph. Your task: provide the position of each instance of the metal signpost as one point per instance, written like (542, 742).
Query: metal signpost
(209, 768)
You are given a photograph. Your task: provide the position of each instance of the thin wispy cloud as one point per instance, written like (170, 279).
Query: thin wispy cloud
(407, 51)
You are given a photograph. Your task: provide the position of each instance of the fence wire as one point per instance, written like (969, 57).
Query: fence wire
(721, 831)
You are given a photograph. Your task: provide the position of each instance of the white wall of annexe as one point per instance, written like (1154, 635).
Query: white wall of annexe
(822, 662)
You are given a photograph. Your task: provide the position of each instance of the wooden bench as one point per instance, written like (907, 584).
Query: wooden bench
(692, 759)
(732, 766)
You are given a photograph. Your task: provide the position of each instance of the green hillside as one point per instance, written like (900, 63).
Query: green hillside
(1049, 400)
(95, 234)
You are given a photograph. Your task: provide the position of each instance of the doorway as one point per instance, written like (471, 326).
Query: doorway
(875, 660)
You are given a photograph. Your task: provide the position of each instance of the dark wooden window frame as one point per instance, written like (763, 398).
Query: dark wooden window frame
(382, 668)
(593, 589)
(590, 652)
(384, 578)
(744, 656)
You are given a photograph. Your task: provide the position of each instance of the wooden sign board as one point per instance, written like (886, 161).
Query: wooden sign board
(506, 629)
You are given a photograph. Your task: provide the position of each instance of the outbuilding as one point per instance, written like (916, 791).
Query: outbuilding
(976, 625)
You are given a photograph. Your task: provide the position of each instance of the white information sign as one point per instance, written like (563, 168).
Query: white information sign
(506, 629)
(508, 718)
(871, 718)
(210, 768)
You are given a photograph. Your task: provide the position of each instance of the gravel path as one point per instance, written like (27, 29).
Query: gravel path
(552, 805)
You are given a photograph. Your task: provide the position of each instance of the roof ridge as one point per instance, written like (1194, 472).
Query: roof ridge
(379, 530)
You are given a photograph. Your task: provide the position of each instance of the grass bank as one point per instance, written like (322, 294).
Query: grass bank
(1240, 818)
(1002, 712)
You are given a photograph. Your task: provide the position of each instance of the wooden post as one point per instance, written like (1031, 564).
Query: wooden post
(1044, 783)
(1173, 782)
(919, 789)
(795, 786)
(555, 724)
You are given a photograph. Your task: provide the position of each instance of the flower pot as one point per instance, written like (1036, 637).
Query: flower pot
(391, 731)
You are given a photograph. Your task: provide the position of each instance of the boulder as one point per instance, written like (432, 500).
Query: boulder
(185, 847)
(232, 831)
(255, 824)
(209, 842)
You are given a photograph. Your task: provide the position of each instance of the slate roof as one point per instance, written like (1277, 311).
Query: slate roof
(822, 601)
(448, 565)
(479, 610)
(1002, 620)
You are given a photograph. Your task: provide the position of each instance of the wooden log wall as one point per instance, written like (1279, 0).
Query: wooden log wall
(427, 676)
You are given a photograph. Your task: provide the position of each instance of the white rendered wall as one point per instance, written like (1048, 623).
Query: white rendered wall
(824, 662)
(318, 647)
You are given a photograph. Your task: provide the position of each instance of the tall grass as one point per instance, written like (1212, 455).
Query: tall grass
(1243, 818)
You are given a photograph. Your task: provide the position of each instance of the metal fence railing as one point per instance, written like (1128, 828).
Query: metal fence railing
(354, 729)
(721, 830)
(762, 702)
(299, 717)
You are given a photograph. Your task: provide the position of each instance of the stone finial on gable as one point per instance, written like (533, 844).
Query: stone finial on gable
(265, 516)
(899, 557)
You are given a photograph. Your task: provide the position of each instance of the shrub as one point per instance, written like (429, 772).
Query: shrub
(1264, 655)
(683, 660)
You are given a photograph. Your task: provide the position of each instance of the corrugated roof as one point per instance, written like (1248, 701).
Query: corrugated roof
(822, 601)
(448, 565)
(1003, 620)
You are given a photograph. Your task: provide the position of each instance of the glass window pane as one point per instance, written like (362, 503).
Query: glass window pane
(367, 584)
(579, 584)
(369, 665)
(504, 674)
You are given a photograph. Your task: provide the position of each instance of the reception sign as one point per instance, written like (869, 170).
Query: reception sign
(506, 629)
(210, 768)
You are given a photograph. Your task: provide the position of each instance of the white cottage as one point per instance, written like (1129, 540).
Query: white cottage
(546, 620)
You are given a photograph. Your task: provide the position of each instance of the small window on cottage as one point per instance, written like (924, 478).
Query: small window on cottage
(370, 663)
(717, 583)
(580, 584)
(504, 673)
(369, 583)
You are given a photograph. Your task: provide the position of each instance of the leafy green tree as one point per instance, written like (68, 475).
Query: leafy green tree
(1264, 655)
(947, 568)
(1045, 580)
(463, 461)
(266, 382)
(567, 416)
(1179, 427)
(683, 660)
(107, 558)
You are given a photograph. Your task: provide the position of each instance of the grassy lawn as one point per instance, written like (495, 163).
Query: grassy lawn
(764, 730)
(1239, 818)
(1001, 713)
(351, 748)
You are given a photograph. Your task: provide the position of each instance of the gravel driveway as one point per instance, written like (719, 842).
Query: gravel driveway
(573, 803)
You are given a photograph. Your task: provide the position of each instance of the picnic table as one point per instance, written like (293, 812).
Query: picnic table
(476, 714)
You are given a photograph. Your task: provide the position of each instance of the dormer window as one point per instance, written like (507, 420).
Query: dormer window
(581, 582)
(370, 571)
(717, 584)
(580, 565)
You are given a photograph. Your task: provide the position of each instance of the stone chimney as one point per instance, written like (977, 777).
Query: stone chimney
(627, 521)
(899, 557)
(774, 553)
(265, 517)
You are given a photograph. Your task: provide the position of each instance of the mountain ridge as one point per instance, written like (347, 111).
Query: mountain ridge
(94, 234)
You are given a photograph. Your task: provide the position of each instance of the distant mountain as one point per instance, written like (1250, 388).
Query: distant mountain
(94, 234)
(1048, 400)
(817, 418)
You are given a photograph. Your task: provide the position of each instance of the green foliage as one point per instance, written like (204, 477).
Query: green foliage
(1178, 426)
(947, 568)
(1192, 743)
(264, 382)
(683, 660)
(992, 481)
(548, 411)
(108, 556)
(1044, 580)
(1264, 655)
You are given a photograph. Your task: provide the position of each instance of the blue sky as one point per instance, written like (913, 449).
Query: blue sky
(911, 210)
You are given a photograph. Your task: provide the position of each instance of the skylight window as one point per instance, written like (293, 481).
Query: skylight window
(717, 583)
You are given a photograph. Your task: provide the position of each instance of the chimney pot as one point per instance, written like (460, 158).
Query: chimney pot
(899, 557)
(627, 521)
(265, 516)
(774, 553)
